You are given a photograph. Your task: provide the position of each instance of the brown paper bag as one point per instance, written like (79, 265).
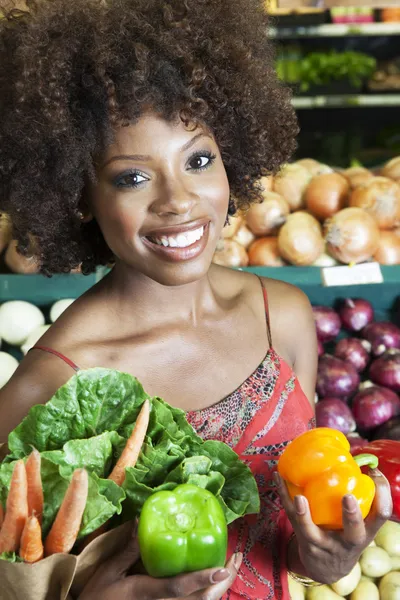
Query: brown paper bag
(61, 576)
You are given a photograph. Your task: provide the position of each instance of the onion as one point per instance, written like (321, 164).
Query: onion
(326, 195)
(355, 351)
(336, 378)
(327, 323)
(266, 218)
(231, 255)
(385, 370)
(264, 252)
(357, 176)
(300, 239)
(334, 413)
(291, 183)
(373, 406)
(381, 198)
(243, 236)
(325, 260)
(314, 167)
(320, 348)
(356, 442)
(5, 231)
(352, 235)
(232, 227)
(356, 313)
(389, 430)
(383, 335)
(17, 263)
(388, 252)
(392, 169)
(267, 183)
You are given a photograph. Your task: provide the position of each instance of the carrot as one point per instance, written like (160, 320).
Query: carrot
(16, 510)
(133, 446)
(65, 529)
(31, 549)
(35, 489)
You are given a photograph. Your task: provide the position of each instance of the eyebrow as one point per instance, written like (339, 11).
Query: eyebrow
(147, 157)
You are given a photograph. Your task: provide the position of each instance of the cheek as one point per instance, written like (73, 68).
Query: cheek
(218, 197)
(118, 220)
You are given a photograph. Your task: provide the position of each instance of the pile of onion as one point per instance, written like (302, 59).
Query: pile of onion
(244, 236)
(314, 167)
(232, 227)
(374, 405)
(327, 323)
(352, 235)
(380, 197)
(382, 335)
(336, 378)
(291, 183)
(357, 176)
(326, 195)
(388, 252)
(334, 413)
(385, 370)
(231, 254)
(392, 169)
(265, 252)
(266, 217)
(354, 351)
(300, 239)
(356, 313)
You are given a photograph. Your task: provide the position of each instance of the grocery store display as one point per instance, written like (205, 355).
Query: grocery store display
(318, 216)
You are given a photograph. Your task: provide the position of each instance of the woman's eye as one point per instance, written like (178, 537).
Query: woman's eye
(201, 161)
(132, 179)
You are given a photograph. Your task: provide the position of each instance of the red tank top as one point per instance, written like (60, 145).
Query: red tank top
(257, 420)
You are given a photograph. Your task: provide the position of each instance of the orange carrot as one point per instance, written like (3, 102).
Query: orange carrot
(35, 489)
(31, 549)
(65, 529)
(16, 510)
(133, 446)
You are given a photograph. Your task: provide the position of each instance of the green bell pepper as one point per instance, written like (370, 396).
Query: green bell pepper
(181, 531)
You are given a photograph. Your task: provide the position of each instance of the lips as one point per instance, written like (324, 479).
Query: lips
(179, 243)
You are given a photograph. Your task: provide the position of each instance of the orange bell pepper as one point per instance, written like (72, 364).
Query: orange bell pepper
(318, 465)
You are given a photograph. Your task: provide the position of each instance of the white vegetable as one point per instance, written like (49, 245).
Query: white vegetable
(389, 587)
(296, 590)
(325, 260)
(8, 364)
(17, 321)
(375, 562)
(366, 590)
(59, 307)
(348, 584)
(33, 338)
(322, 592)
(388, 538)
(395, 563)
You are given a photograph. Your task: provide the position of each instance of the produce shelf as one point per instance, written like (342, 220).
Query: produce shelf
(335, 30)
(347, 101)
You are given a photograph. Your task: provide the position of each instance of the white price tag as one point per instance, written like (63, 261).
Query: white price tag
(352, 275)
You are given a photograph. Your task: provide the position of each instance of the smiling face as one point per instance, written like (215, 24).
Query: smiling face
(161, 199)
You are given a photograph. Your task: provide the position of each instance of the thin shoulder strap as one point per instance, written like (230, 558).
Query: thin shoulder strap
(265, 295)
(58, 354)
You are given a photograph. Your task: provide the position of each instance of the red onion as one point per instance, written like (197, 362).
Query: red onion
(356, 442)
(336, 378)
(382, 335)
(320, 348)
(355, 351)
(373, 406)
(327, 323)
(334, 413)
(385, 370)
(356, 313)
(389, 430)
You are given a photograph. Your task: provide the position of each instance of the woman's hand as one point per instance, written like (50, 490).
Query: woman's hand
(327, 556)
(111, 580)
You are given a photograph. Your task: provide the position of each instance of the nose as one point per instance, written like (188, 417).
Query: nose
(174, 198)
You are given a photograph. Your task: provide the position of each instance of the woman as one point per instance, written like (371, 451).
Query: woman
(130, 130)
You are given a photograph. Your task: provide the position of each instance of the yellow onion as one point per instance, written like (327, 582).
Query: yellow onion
(326, 195)
(392, 169)
(231, 228)
(244, 236)
(300, 239)
(265, 252)
(267, 183)
(5, 231)
(388, 252)
(231, 255)
(266, 218)
(313, 166)
(381, 198)
(17, 263)
(357, 176)
(291, 182)
(352, 236)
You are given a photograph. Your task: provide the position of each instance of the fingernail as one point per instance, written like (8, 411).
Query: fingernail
(237, 561)
(349, 504)
(277, 479)
(220, 575)
(299, 505)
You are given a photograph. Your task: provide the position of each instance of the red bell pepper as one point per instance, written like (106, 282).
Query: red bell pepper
(388, 453)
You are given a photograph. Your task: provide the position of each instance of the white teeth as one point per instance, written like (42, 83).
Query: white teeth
(181, 240)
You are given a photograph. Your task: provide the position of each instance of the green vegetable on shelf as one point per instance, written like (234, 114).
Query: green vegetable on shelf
(181, 531)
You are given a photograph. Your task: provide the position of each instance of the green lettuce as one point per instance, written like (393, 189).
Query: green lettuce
(86, 425)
